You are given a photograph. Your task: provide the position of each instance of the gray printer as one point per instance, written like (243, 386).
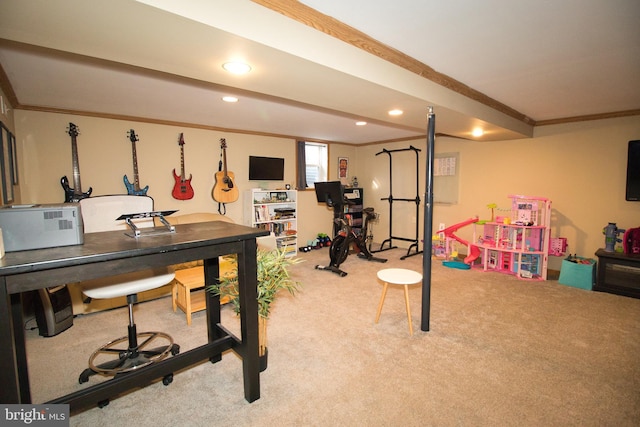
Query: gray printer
(41, 226)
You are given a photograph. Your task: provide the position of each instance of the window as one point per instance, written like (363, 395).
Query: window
(316, 160)
(313, 160)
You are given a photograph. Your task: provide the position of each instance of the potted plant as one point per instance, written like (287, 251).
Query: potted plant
(273, 276)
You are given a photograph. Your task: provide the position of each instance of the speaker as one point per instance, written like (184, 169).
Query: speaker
(54, 312)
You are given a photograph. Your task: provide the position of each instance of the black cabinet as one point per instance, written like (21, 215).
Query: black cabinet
(618, 273)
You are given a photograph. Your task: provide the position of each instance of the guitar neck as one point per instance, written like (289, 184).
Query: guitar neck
(224, 161)
(76, 165)
(182, 176)
(136, 181)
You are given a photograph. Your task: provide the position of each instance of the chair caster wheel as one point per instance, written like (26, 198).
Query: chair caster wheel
(175, 349)
(168, 379)
(103, 403)
(84, 376)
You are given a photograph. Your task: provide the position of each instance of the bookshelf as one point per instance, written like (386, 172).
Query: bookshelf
(353, 210)
(276, 211)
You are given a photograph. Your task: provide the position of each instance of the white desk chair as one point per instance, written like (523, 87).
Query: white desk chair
(126, 353)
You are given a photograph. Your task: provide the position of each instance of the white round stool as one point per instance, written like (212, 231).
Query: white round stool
(398, 276)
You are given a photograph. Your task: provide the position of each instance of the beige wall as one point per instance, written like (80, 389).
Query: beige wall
(580, 167)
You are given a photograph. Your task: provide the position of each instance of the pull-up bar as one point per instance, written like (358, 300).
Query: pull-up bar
(391, 200)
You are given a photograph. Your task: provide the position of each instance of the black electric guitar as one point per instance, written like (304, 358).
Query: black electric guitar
(134, 188)
(224, 190)
(74, 194)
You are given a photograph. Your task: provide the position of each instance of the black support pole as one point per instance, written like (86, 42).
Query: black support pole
(428, 224)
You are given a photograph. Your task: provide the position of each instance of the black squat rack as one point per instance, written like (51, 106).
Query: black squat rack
(391, 199)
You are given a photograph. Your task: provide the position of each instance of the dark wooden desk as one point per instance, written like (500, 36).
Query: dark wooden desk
(110, 253)
(618, 273)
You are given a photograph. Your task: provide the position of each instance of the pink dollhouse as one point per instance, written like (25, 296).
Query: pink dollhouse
(518, 244)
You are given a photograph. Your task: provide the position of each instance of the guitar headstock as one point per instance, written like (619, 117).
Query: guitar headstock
(223, 143)
(132, 135)
(181, 141)
(73, 130)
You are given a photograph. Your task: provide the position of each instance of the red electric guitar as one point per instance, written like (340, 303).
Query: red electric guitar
(182, 189)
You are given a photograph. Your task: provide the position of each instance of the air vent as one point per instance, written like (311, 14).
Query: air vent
(65, 224)
(52, 214)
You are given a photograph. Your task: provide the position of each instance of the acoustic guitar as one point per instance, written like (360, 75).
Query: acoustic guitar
(182, 189)
(224, 189)
(74, 194)
(134, 189)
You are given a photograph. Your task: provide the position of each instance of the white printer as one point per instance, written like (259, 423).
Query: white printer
(41, 226)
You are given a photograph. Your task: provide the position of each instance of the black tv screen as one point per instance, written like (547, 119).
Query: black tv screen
(633, 172)
(331, 193)
(266, 168)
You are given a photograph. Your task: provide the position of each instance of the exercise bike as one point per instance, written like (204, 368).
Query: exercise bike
(341, 244)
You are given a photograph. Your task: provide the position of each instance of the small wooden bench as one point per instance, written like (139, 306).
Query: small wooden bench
(187, 291)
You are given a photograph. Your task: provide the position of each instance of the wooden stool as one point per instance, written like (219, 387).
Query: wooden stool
(398, 276)
(187, 280)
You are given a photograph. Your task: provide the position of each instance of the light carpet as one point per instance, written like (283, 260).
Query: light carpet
(500, 352)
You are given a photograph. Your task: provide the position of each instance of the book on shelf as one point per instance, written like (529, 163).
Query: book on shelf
(262, 213)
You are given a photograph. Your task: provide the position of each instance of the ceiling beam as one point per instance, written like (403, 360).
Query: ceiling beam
(330, 26)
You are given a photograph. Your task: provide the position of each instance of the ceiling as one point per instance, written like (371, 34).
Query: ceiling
(321, 65)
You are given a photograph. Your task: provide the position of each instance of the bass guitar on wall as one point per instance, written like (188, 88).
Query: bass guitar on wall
(134, 188)
(182, 189)
(74, 194)
(224, 189)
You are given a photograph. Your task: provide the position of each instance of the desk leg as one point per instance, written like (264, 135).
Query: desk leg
(14, 375)
(212, 302)
(21, 348)
(248, 289)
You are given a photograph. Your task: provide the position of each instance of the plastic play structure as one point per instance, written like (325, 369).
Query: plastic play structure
(449, 233)
(518, 244)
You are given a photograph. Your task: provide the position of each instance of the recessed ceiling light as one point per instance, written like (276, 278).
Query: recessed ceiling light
(395, 112)
(477, 132)
(229, 99)
(361, 123)
(235, 67)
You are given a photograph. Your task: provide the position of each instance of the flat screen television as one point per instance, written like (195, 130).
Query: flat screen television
(633, 172)
(266, 168)
(331, 193)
